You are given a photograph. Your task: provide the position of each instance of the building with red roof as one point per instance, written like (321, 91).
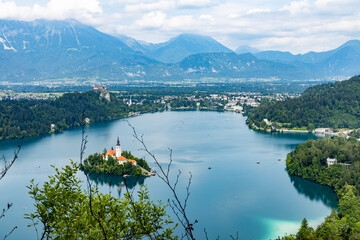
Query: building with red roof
(116, 154)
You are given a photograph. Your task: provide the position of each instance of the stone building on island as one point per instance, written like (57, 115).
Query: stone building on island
(116, 154)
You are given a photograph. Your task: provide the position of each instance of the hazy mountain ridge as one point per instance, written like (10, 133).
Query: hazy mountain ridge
(238, 65)
(44, 49)
(343, 61)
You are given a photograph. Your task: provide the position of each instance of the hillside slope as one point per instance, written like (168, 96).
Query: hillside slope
(48, 49)
(334, 105)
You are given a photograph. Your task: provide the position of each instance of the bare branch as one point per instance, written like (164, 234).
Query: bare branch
(235, 238)
(37, 232)
(177, 179)
(206, 234)
(84, 141)
(187, 191)
(176, 205)
(10, 233)
(9, 205)
(10, 163)
(170, 161)
(7, 166)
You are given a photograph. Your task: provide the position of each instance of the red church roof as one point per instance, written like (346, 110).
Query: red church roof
(121, 158)
(111, 152)
(132, 161)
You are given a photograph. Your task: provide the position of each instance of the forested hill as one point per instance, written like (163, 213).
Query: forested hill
(309, 161)
(32, 118)
(334, 105)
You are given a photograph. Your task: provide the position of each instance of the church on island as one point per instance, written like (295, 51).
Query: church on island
(116, 154)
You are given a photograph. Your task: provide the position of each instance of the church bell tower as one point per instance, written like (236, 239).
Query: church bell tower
(118, 148)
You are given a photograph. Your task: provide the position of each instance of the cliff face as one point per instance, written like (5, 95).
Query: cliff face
(104, 93)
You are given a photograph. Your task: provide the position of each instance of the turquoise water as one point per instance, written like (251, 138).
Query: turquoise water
(259, 201)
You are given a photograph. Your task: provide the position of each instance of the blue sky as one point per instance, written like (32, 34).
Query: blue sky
(298, 26)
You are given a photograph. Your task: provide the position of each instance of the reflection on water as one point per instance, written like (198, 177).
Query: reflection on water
(119, 182)
(315, 192)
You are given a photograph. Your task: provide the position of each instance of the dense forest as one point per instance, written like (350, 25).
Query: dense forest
(332, 105)
(95, 163)
(26, 118)
(309, 161)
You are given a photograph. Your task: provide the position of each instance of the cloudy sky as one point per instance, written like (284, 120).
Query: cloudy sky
(297, 26)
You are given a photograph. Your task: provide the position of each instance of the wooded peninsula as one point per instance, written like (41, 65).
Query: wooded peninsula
(335, 162)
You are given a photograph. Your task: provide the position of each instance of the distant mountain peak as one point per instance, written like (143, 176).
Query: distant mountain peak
(246, 49)
(191, 35)
(184, 45)
(351, 43)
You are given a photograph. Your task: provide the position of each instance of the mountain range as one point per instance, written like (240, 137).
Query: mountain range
(43, 49)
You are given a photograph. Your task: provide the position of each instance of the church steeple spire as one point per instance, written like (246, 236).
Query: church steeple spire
(118, 148)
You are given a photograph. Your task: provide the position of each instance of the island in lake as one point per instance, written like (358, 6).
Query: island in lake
(116, 162)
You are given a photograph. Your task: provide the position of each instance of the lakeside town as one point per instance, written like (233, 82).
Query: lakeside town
(228, 101)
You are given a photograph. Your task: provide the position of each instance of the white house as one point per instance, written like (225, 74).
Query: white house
(331, 161)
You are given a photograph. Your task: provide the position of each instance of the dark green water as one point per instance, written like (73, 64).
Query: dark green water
(260, 201)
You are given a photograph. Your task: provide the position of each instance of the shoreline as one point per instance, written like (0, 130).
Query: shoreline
(293, 130)
(284, 130)
(129, 115)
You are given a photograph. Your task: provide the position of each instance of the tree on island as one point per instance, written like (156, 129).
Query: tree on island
(95, 163)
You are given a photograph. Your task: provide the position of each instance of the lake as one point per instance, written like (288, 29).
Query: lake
(259, 201)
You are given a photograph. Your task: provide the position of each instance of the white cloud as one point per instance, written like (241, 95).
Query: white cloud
(152, 20)
(193, 4)
(258, 10)
(83, 10)
(182, 23)
(297, 7)
(163, 5)
(150, 6)
(208, 18)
